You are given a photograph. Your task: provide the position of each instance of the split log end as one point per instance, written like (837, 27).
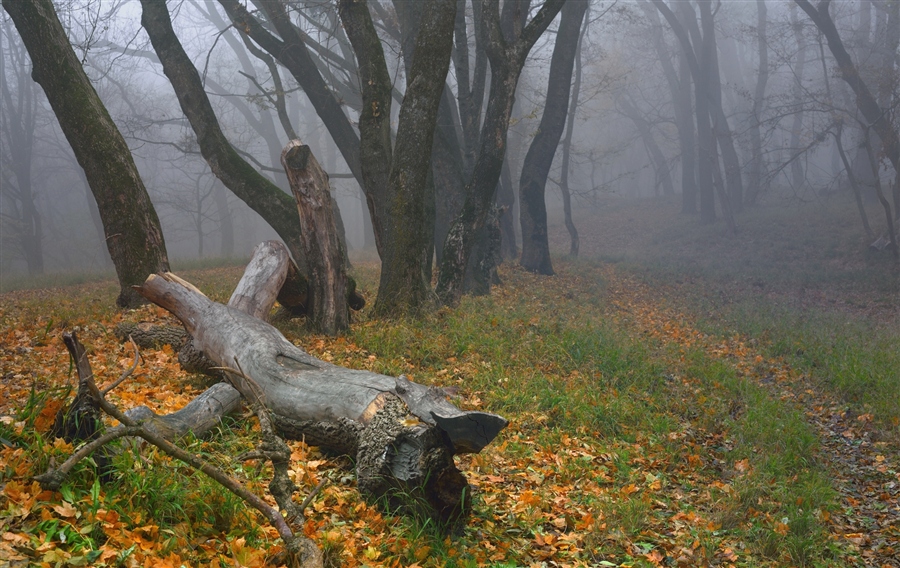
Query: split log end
(470, 432)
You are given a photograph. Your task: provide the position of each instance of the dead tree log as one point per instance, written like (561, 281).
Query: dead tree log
(328, 311)
(403, 434)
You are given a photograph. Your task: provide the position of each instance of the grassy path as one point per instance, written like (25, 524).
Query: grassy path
(862, 466)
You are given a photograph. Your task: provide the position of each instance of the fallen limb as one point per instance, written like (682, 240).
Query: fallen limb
(402, 434)
(301, 551)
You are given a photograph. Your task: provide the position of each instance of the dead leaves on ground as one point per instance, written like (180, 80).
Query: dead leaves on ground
(542, 497)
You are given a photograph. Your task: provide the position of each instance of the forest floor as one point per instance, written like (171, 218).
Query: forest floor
(677, 397)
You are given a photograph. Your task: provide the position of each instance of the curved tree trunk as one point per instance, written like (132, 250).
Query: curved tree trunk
(273, 205)
(133, 234)
(539, 158)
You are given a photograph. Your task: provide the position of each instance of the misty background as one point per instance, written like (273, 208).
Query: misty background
(624, 137)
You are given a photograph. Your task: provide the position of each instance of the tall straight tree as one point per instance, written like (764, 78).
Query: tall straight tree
(539, 158)
(574, 241)
(133, 235)
(759, 93)
(699, 57)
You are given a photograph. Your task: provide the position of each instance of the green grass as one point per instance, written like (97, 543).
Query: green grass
(624, 444)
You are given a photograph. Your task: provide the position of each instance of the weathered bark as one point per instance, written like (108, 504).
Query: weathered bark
(405, 239)
(481, 273)
(300, 550)
(327, 309)
(403, 434)
(133, 235)
(507, 56)
(539, 158)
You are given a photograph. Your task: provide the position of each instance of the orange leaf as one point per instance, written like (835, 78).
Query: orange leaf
(65, 510)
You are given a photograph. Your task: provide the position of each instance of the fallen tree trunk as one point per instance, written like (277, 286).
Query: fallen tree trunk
(403, 434)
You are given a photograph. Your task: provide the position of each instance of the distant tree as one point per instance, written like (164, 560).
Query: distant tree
(876, 117)
(133, 235)
(698, 43)
(539, 158)
(567, 140)
(18, 120)
(754, 180)
(398, 206)
(679, 83)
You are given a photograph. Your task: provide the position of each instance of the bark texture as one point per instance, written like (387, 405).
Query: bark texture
(403, 434)
(327, 309)
(133, 235)
(400, 203)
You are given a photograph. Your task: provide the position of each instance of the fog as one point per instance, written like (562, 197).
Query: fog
(625, 141)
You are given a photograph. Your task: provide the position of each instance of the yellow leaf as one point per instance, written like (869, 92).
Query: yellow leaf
(371, 553)
(422, 553)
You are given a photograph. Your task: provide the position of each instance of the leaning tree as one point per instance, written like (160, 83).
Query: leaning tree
(133, 235)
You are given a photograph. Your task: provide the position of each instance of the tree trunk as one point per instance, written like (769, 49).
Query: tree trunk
(399, 197)
(133, 235)
(327, 309)
(759, 93)
(507, 58)
(539, 158)
(720, 125)
(506, 197)
(798, 174)
(403, 435)
(574, 241)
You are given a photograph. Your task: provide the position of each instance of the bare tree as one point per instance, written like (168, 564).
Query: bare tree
(133, 235)
(18, 120)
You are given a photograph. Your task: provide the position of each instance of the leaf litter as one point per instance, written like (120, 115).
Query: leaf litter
(545, 495)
